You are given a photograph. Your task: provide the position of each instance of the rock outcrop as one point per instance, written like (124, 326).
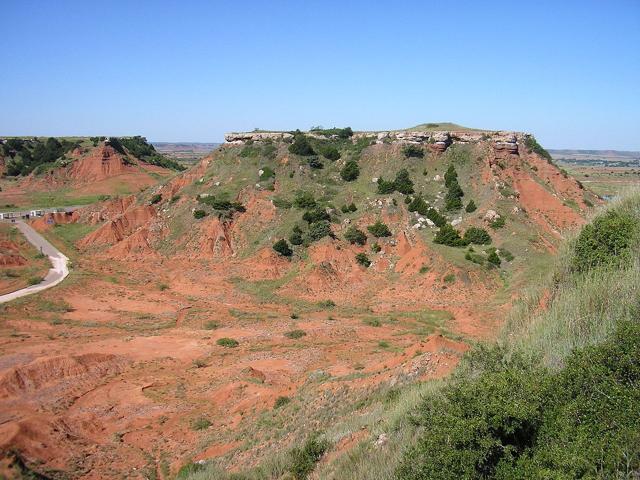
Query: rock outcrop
(503, 143)
(243, 137)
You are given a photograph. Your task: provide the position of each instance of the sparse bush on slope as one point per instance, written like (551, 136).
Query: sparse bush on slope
(379, 229)
(413, 151)
(355, 236)
(283, 248)
(476, 235)
(402, 184)
(533, 146)
(301, 145)
(350, 171)
(447, 235)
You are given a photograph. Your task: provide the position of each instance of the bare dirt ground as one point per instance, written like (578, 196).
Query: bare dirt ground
(119, 367)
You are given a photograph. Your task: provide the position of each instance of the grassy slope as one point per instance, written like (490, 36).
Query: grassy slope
(579, 313)
(236, 168)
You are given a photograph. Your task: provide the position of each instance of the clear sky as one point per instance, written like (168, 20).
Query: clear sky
(567, 71)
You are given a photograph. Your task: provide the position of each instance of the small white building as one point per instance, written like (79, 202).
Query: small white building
(36, 213)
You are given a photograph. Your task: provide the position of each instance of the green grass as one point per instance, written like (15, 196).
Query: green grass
(67, 234)
(59, 198)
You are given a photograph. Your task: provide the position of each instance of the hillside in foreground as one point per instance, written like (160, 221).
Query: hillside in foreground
(288, 283)
(76, 170)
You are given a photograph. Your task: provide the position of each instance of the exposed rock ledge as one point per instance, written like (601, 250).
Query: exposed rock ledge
(242, 137)
(506, 142)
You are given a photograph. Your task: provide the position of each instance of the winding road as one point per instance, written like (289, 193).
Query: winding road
(56, 274)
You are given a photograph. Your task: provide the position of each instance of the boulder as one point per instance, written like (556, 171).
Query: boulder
(491, 216)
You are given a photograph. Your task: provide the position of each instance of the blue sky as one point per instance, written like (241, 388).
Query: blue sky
(191, 70)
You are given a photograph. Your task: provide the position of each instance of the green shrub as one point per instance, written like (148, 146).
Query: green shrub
(189, 469)
(350, 171)
(303, 460)
(342, 133)
(327, 303)
(355, 236)
(301, 146)
(418, 204)
(318, 230)
(363, 260)
(449, 278)
(413, 151)
(476, 235)
(296, 236)
(283, 248)
(506, 254)
(493, 258)
(227, 342)
(517, 420)
(198, 214)
(450, 176)
(375, 248)
(250, 151)
(267, 173)
(315, 163)
(497, 223)
(316, 215)
(533, 146)
(200, 423)
(330, 152)
(157, 198)
(436, 217)
(211, 325)
(304, 200)
(281, 401)
(471, 207)
(34, 280)
(474, 257)
(379, 229)
(372, 322)
(606, 241)
(350, 208)
(270, 151)
(281, 203)
(403, 183)
(447, 235)
(199, 363)
(222, 205)
(453, 198)
(295, 334)
(385, 186)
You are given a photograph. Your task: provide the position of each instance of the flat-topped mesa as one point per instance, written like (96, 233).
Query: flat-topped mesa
(502, 141)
